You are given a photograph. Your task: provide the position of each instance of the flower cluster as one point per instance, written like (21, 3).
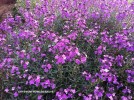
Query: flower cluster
(65, 94)
(80, 49)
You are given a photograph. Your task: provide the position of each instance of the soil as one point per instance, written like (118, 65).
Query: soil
(5, 9)
(7, 1)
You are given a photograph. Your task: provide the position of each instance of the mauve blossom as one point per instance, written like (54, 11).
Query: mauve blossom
(126, 90)
(39, 97)
(6, 90)
(83, 59)
(98, 92)
(72, 35)
(78, 61)
(21, 54)
(124, 98)
(121, 16)
(32, 81)
(25, 65)
(100, 49)
(87, 75)
(60, 59)
(119, 60)
(110, 96)
(37, 81)
(53, 86)
(14, 69)
(46, 67)
(66, 94)
(16, 94)
(13, 88)
(89, 97)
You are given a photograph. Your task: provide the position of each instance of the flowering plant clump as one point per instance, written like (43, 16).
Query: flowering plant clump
(80, 49)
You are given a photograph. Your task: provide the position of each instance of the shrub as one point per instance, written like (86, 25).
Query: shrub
(80, 49)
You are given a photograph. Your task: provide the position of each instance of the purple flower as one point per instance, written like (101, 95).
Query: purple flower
(119, 60)
(89, 97)
(37, 80)
(65, 94)
(6, 90)
(39, 97)
(47, 82)
(83, 59)
(25, 65)
(126, 90)
(100, 49)
(53, 86)
(124, 98)
(78, 61)
(21, 54)
(32, 81)
(16, 94)
(121, 16)
(86, 75)
(60, 59)
(14, 69)
(87, 33)
(49, 66)
(98, 92)
(46, 67)
(72, 36)
(61, 96)
(110, 96)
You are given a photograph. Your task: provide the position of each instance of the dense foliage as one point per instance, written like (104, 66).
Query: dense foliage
(80, 49)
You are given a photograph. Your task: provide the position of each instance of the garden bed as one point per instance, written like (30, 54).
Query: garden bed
(68, 50)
